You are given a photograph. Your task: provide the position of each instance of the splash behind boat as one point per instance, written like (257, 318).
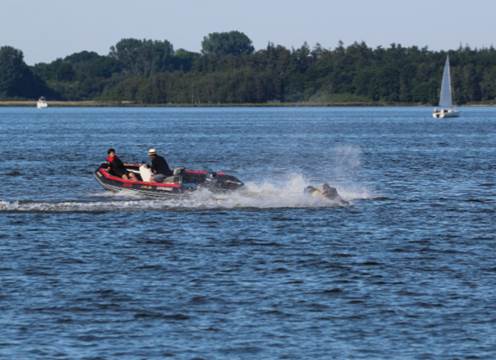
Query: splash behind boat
(183, 181)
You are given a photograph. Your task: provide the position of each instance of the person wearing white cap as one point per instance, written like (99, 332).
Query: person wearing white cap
(160, 168)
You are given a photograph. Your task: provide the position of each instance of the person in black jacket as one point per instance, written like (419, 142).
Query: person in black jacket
(159, 166)
(117, 168)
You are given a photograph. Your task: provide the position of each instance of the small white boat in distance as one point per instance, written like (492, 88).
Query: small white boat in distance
(41, 103)
(446, 108)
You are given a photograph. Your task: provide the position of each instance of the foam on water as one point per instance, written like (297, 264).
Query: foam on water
(285, 193)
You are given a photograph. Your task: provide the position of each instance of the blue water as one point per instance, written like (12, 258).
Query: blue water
(407, 270)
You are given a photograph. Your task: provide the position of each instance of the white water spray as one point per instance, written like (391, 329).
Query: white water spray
(285, 193)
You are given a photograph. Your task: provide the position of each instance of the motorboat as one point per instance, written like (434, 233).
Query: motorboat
(446, 108)
(183, 181)
(41, 103)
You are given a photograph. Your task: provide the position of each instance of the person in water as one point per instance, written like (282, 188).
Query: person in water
(327, 192)
(117, 168)
(160, 168)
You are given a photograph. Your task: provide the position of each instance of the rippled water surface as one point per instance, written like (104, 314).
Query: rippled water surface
(407, 270)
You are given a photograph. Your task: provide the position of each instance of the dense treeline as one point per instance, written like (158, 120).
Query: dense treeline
(17, 80)
(229, 70)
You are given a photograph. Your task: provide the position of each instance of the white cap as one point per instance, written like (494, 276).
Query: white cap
(152, 151)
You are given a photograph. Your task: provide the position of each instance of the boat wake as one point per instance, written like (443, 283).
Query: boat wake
(287, 193)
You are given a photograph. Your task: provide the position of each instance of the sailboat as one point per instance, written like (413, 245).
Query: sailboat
(446, 108)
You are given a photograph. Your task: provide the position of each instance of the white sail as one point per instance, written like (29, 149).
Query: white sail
(445, 98)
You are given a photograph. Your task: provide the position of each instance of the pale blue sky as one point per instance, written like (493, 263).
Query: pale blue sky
(48, 29)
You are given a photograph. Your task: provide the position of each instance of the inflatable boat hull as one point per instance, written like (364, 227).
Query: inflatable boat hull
(185, 182)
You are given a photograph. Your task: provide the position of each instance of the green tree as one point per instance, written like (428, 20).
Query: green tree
(79, 76)
(184, 60)
(227, 43)
(143, 57)
(65, 72)
(16, 78)
(488, 84)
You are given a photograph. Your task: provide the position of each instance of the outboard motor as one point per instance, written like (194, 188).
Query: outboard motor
(221, 182)
(228, 182)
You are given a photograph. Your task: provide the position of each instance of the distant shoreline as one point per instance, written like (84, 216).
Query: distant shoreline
(96, 103)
